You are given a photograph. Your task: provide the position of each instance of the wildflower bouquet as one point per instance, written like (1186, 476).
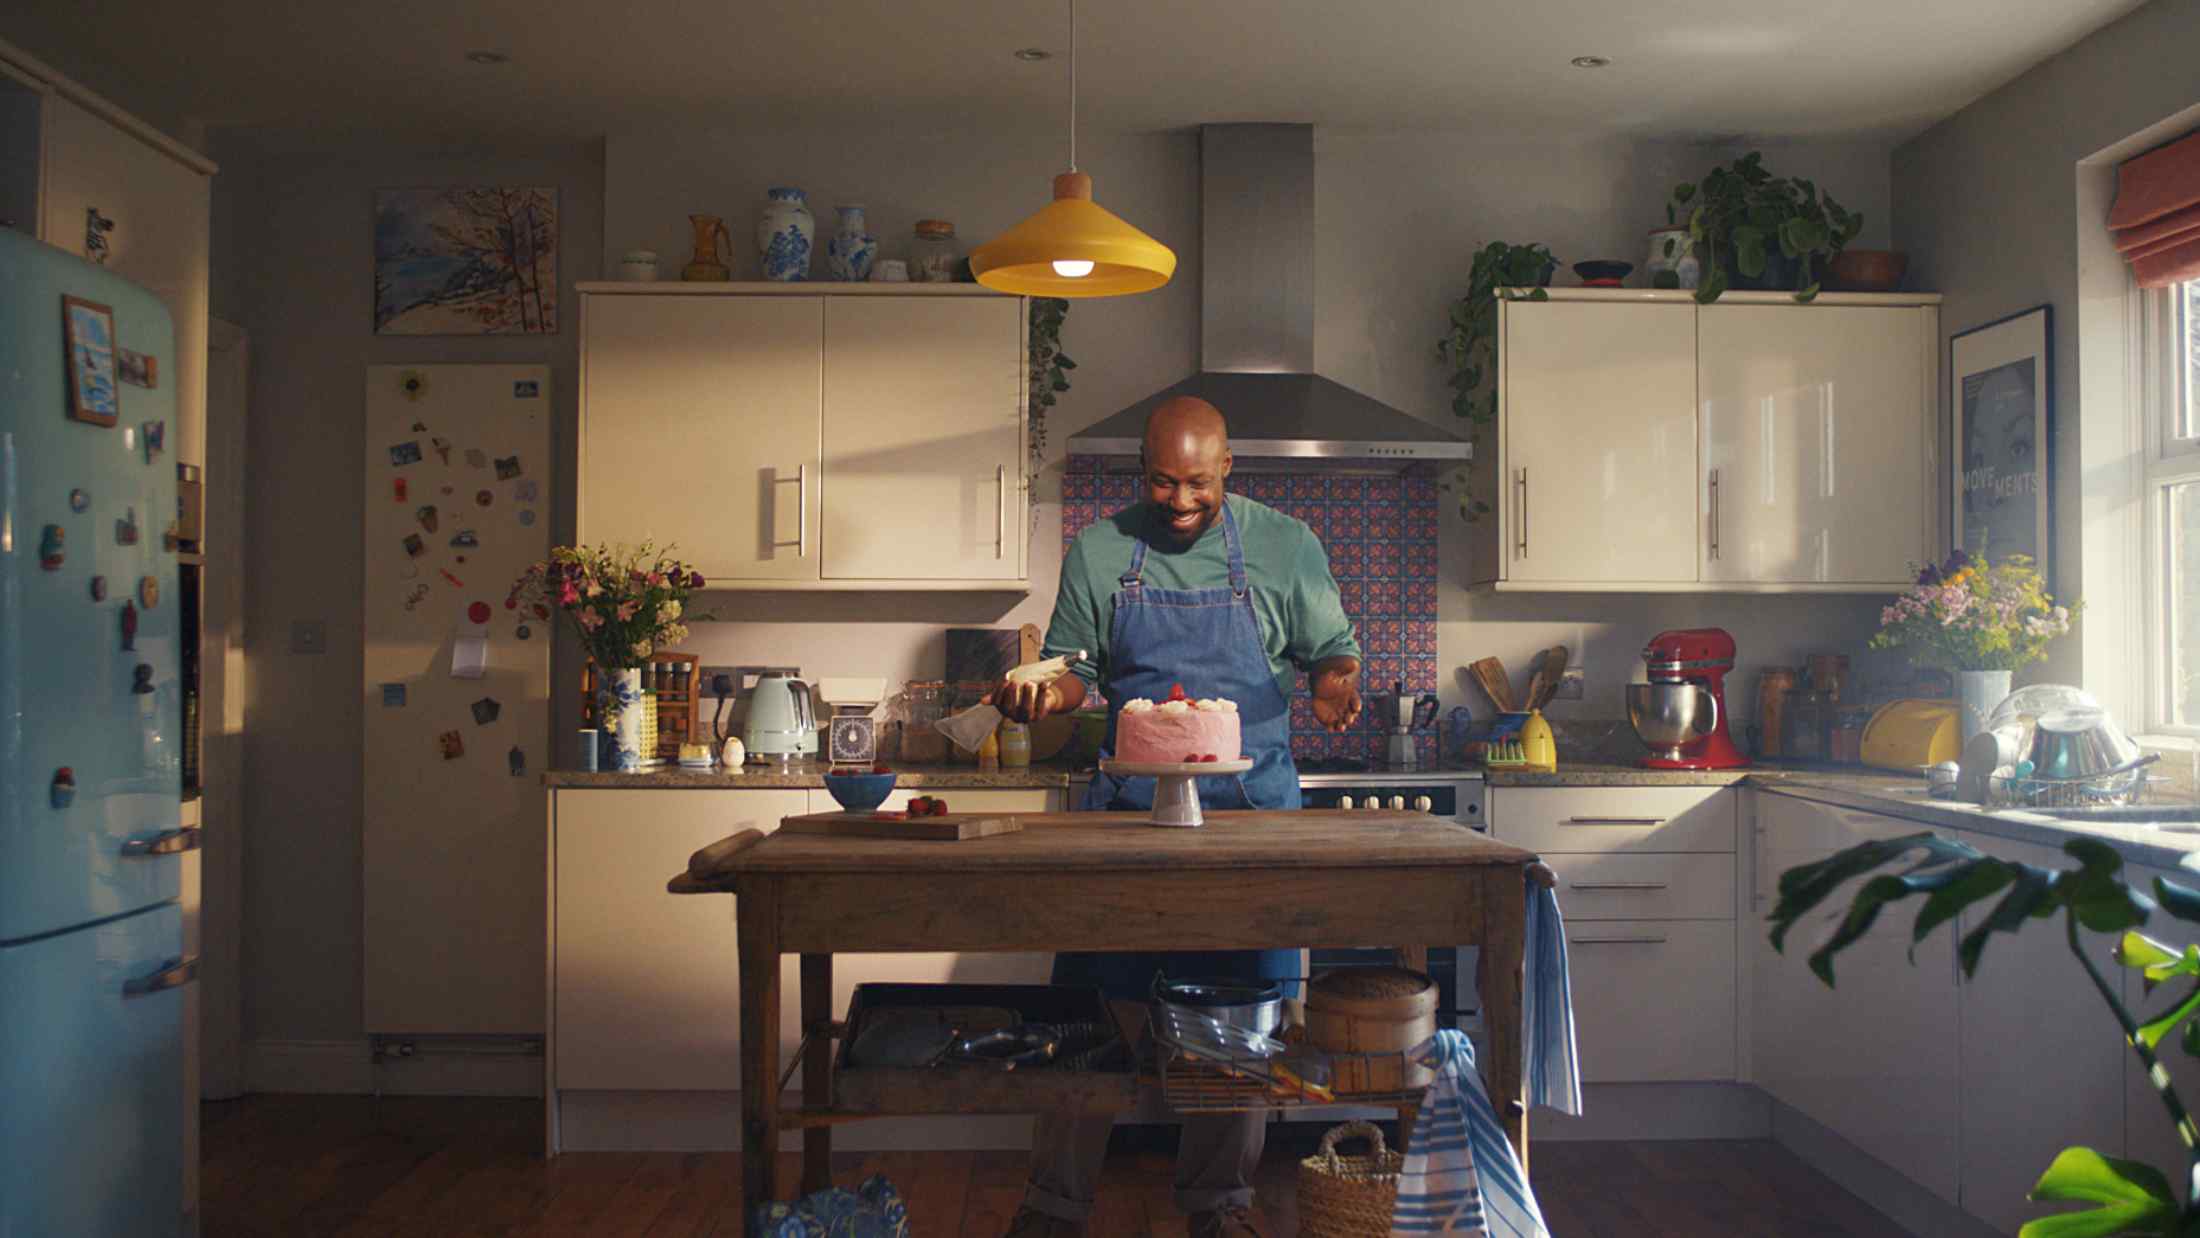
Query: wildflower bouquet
(624, 602)
(1970, 614)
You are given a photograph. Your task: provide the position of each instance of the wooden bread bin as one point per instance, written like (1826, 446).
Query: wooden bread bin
(1372, 1010)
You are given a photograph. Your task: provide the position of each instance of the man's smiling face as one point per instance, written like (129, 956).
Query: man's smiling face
(1187, 458)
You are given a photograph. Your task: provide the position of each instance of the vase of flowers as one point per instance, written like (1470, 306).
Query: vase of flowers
(1981, 620)
(624, 603)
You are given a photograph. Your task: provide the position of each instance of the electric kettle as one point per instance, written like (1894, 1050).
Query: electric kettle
(782, 721)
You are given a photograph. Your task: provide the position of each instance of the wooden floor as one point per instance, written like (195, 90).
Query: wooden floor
(306, 1166)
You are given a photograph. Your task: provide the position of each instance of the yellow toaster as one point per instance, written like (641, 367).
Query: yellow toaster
(1903, 735)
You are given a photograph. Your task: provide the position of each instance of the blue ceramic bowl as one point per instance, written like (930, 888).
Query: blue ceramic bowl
(860, 792)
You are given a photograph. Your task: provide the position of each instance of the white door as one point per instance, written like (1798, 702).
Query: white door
(1599, 442)
(699, 421)
(924, 462)
(1818, 426)
(1873, 1058)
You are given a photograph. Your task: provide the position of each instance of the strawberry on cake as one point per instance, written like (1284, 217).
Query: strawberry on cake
(1177, 731)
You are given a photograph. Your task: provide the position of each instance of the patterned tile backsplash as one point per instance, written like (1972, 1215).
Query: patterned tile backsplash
(1381, 536)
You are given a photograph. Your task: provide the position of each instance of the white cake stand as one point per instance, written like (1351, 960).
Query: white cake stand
(1176, 789)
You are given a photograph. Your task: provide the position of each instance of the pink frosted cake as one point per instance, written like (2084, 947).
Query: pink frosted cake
(1176, 731)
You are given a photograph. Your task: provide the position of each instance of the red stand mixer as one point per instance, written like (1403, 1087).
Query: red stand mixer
(1681, 712)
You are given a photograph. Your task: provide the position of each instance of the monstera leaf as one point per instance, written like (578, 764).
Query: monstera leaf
(2133, 1198)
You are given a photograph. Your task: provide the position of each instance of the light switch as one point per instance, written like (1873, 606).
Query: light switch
(308, 636)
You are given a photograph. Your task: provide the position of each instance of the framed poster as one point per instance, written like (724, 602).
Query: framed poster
(2001, 383)
(468, 261)
(88, 328)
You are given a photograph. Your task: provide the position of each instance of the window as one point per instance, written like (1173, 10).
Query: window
(2170, 372)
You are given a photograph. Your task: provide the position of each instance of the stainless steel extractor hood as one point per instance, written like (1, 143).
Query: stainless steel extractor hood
(1257, 327)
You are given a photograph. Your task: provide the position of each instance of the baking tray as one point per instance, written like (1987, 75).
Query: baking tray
(962, 1088)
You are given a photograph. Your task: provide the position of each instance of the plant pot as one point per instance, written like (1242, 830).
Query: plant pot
(619, 717)
(1978, 692)
(1779, 274)
(1682, 263)
(1867, 270)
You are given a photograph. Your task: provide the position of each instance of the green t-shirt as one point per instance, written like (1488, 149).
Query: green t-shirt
(1302, 620)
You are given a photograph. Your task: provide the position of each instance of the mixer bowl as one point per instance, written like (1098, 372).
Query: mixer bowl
(1668, 715)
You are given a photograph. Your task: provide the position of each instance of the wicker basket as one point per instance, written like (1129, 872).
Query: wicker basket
(1349, 1196)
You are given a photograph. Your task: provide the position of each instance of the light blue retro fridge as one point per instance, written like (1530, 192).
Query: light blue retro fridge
(91, 966)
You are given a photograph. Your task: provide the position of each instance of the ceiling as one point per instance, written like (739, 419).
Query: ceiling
(1680, 68)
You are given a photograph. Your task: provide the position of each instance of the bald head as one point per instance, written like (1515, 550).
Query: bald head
(1187, 456)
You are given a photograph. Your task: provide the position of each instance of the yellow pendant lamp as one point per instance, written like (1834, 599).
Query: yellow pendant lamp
(1073, 247)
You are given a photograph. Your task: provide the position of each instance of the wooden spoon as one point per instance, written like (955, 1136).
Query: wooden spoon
(1496, 684)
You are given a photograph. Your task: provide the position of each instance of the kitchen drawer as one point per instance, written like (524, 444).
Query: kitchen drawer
(1616, 885)
(1654, 1000)
(1562, 819)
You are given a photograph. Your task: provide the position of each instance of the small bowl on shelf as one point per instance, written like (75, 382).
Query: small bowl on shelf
(1867, 270)
(1602, 272)
(859, 790)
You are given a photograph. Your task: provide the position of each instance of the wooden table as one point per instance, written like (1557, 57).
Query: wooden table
(1104, 881)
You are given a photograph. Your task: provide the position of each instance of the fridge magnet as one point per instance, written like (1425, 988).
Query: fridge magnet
(89, 330)
(79, 501)
(526, 517)
(507, 467)
(156, 438)
(484, 497)
(415, 385)
(456, 583)
(486, 710)
(126, 529)
(468, 260)
(477, 458)
(96, 228)
(170, 539)
(525, 389)
(139, 369)
(464, 539)
(149, 592)
(452, 744)
(478, 613)
(2001, 386)
(420, 427)
(527, 491)
(442, 448)
(393, 696)
(407, 452)
(448, 490)
(413, 545)
(99, 588)
(129, 628)
(426, 517)
(141, 680)
(417, 595)
(408, 570)
(523, 632)
(517, 761)
(397, 489)
(50, 553)
(64, 786)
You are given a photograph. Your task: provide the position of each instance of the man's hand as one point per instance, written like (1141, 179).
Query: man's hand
(1336, 686)
(1029, 702)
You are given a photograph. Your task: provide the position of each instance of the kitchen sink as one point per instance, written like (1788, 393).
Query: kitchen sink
(2182, 818)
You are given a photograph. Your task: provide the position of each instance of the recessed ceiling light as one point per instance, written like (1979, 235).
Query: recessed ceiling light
(1591, 62)
(486, 57)
(1034, 53)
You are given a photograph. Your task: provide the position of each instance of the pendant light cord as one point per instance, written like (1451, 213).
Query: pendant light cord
(1073, 85)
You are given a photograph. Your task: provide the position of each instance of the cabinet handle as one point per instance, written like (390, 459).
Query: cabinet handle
(1648, 939)
(1714, 513)
(1000, 519)
(167, 842)
(1613, 821)
(801, 511)
(1523, 505)
(173, 975)
(1618, 885)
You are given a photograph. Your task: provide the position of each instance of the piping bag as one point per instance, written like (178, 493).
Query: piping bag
(969, 728)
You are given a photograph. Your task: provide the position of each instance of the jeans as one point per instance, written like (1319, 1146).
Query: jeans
(1215, 1159)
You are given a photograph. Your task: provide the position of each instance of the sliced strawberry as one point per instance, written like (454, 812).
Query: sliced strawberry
(1176, 692)
(1191, 758)
(1210, 757)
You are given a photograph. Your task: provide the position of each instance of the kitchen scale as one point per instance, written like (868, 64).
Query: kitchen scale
(1176, 786)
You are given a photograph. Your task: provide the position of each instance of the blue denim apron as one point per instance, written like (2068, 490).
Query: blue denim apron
(1209, 641)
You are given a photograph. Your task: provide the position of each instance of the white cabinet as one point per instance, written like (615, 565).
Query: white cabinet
(790, 439)
(1875, 1058)
(1597, 488)
(2042, 1056)
(1653, 999)
(1818, 465)
(924, 439)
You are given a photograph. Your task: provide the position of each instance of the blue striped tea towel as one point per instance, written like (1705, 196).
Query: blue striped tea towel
(1553, 1066)
(1461, 1176)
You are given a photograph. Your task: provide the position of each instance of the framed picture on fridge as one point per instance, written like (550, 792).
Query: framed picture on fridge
(2001, 388)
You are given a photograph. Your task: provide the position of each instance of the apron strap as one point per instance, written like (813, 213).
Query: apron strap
(1130, 577)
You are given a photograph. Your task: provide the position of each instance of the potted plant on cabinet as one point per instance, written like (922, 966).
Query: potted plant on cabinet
(1752, 229)
(1470, 346)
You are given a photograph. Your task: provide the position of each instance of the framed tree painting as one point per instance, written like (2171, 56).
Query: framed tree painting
(466, 261)
(88, 329)
(2001, 386)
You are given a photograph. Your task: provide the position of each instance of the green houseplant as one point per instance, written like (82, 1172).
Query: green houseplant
(1740, 216)
(1949, 876)
(1050, 367)
(1470, 345)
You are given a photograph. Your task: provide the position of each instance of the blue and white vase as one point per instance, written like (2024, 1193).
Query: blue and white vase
(619, 717)
(784, 234)
(851, 251)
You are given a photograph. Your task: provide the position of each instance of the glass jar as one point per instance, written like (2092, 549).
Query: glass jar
(1809, 719)
(933, 255)
(1845, 745)
(927, 704)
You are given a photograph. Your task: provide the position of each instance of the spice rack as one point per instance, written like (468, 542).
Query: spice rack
(671, 701)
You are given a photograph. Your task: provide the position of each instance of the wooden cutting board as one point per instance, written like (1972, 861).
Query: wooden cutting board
(948, 827)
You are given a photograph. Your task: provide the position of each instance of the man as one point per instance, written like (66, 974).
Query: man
(1229, 598)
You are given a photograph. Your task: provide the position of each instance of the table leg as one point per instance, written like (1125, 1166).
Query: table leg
(1504, 942)
(817, 1068)
(757, 926)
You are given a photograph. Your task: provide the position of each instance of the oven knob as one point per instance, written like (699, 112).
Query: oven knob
(1374, 803)
(1422, 803)
(1398, 802)
(1344, 801)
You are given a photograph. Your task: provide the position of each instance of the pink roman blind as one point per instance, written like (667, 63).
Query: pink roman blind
(2156, 218)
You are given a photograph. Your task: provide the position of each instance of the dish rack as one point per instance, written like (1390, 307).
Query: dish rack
(2105, 790)
(1205, 1066)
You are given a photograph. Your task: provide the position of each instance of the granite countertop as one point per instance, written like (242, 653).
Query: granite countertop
(1044, 776)
(1615, 774)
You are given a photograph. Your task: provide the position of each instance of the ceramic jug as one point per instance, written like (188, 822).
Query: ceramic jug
(713, 250)
(849, 254)
(783, 235)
